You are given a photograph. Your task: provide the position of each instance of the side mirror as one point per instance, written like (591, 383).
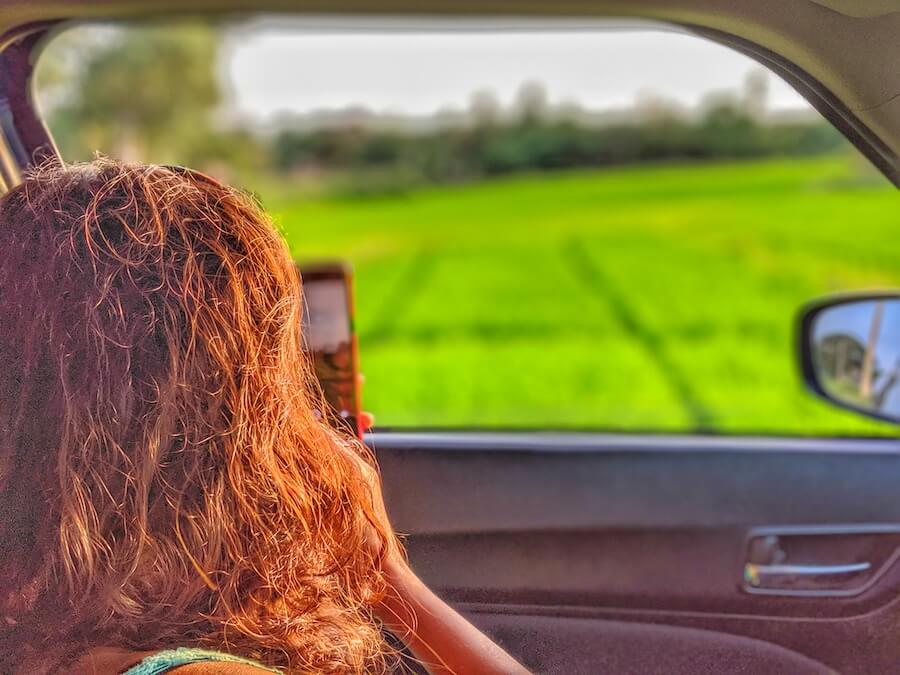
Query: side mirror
(850, 353)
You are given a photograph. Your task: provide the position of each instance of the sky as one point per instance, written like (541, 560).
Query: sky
(283, 68)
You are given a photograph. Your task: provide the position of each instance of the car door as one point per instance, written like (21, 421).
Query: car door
(592, 553)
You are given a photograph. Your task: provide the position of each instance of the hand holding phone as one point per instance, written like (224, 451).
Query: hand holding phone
(329, 336)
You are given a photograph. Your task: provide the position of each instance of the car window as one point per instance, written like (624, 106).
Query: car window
(607, 228)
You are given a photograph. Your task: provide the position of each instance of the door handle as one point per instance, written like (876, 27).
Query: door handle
(818, 560)
(757, 576)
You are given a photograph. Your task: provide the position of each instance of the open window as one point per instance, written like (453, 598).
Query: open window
(608, 229)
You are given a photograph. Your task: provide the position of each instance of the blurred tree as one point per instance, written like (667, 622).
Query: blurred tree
(145, 93)
(756, 93)
(532, 102)
(484, 108)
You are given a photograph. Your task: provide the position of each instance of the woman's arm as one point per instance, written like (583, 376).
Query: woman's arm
(436, 634)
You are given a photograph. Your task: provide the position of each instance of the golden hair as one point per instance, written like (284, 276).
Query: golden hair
(164, 478)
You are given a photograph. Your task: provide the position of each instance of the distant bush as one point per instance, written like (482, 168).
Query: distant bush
(395, 159)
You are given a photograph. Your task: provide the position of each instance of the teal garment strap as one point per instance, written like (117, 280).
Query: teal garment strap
(164, 661)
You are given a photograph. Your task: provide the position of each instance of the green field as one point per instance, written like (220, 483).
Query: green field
(658, 299)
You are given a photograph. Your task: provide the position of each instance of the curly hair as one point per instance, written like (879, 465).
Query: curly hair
(164, 477)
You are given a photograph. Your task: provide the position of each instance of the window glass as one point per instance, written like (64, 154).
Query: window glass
(598, 229)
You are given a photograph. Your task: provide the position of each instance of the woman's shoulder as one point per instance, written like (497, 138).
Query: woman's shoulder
(189, 661)
(221, 668)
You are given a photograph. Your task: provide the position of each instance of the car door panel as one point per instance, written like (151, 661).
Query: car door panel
(560, 644)
(640, 535)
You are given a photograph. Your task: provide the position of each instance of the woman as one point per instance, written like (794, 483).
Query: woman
(164, 480)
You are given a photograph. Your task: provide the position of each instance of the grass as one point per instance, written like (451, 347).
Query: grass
(657, 299)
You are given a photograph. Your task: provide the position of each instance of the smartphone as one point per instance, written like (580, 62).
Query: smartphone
(329, 336)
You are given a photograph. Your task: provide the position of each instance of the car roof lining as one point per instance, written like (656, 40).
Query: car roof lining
(841, 54)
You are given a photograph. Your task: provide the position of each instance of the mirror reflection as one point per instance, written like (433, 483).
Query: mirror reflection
(856, 353)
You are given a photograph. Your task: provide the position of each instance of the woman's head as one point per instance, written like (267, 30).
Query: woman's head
(163, 475)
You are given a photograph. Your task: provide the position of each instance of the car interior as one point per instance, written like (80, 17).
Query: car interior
(639, 552)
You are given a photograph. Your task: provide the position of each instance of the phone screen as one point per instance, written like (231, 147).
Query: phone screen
(328, 336)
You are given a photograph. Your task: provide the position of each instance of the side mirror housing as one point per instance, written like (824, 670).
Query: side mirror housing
(849, 349)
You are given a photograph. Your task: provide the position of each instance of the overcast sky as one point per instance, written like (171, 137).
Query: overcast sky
(280, 69)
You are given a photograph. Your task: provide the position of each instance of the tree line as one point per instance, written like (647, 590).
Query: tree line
(376, 158)
(153, 93)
